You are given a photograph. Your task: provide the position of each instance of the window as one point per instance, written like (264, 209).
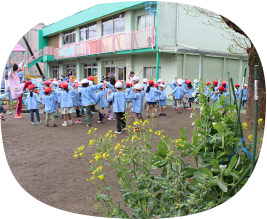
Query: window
(55, 73)
(71, 70)
(145, 21)
(113, 25)
(90, 69)
(121, 73)
(69, 37)
(88, 32)
(110, 71)
(150, 73)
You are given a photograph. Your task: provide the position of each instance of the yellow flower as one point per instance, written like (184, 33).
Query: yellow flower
(122, 140)
(76, 155)
(81, 154)
(261, 139)
(150, 130)
(110, 131)
(97, 156)
(250, 137)
(260, 121)
(75, 152)
(106, 135)
(94, 172)
(92, 178)
(105, 155)
(123, 155)
(245, 125)
(136, 123)
(95, 129)
(114, 135)
(129, 126)
(91, 142)
(91, 161)
(123, 160)
(163, 136)
(259, 149)
(89, 132)
(101, 177)
(116, 148)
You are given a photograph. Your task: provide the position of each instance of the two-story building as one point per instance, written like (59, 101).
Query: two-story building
(118, 37)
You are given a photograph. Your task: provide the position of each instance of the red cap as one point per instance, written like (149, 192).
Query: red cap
(151, 82)
(77, 85)
(91, 78)
(30, 87)
(128, 85)
(163, 82)
(24, 81)
(68, 80)
(215, 83)
(64, 85)
(47, 83)
(189, 82)
(237, 85)
(52, 80)
(156, 85)
(222, 88)
(223, 83)
(47, 90)
(208, 83)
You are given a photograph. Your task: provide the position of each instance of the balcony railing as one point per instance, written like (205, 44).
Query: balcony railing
(117, 42)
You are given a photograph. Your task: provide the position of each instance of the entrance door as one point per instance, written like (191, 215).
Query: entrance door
(110, 70)
(122, 73)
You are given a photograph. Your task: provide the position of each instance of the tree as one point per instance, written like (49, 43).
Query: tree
(244, 43)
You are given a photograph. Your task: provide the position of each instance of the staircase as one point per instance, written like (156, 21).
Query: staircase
(44, 55)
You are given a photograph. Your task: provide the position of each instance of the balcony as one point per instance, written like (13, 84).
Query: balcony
(108, 44)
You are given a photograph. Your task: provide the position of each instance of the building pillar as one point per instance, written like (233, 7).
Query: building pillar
(200, 66)
(184, 67)
(240, 71)
(77, 35)
(78, 70)
(60, 70)
(100, 71)
(224, 68)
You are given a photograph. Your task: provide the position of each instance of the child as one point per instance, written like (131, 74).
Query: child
(237, 91)
(66, 104)
(77, 102)
(179, 93)
(207, 90)
(127, 96)
(157, 96)
(137, 98)
(101, 100)
(162, 100)
(118, 100)
(150, 94)
(222, 92)
(2, 110)
(88, 98)
(173, 85)
(32, 103)
(111, 87)
(48, 99)
(190, 93)
(245, 95)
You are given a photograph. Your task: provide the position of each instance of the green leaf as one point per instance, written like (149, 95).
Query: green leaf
(199, 176)
(189, 172)
(206, 171)
(222, 185)
(162, 149)
(197, 150)
(232, 162)
(158, 161)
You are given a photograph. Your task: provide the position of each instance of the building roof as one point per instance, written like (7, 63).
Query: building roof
(89, 14)
(18, 48)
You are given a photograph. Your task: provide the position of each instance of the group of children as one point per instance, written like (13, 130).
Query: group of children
(114, 98)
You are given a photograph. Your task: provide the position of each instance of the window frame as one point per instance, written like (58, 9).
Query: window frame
(87, 28)
(113, 19)
(70, 33)
(145, 16)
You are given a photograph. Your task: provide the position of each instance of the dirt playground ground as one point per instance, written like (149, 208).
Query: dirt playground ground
(41, 158)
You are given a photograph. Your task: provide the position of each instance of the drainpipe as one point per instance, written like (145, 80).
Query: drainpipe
(157, 48)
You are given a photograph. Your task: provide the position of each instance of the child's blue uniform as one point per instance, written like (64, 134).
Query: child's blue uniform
(152, 95)
(32, 102)
(118, 100)
(65, 99)
(245, 94)
(178, 93)
(237, 93)
(162, 98)
(101, 98)
(128, 94)
(88, 94)
(190, 92)
(49, 102)
(137, 99)
(207, 91)
(76, 98)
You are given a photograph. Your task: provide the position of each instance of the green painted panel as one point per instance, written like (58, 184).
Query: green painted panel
(212, 68)
(134, 51)
(40, 59)
(87, 15)
(192, 67)
(48, 58)
(232, 66)
(42, 40)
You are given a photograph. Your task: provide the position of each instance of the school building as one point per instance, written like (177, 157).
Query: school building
(117, 37)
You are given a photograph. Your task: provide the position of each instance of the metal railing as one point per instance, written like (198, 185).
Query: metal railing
(116, 42)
